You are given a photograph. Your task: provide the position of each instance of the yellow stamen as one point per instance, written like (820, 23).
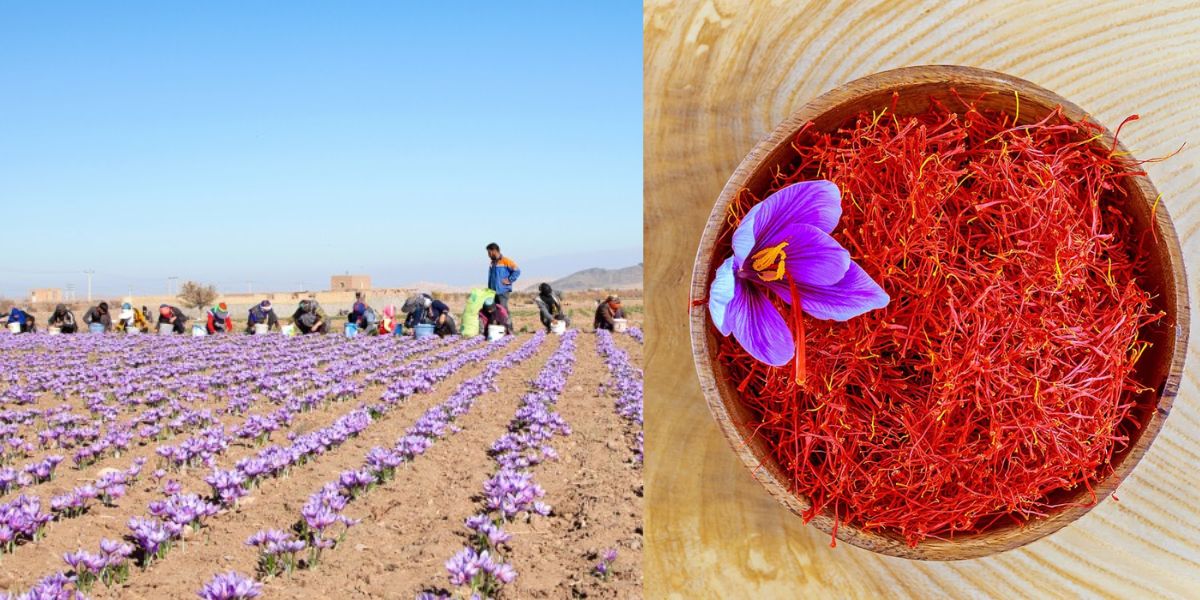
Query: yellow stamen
(769, 262)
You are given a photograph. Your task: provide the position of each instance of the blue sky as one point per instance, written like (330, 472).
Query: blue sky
(281, 143)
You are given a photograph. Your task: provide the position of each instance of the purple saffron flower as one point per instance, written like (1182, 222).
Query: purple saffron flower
(230, 586)
(783, 246)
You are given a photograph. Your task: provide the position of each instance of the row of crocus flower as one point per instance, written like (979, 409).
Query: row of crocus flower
(323, 524)
(103, 434)
(625, 382)
(168, 519)
(636, 333)
(480, 568)
(111, 485)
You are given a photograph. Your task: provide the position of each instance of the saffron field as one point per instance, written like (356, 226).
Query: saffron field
(236, 466)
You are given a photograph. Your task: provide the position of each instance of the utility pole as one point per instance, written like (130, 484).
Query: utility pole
(171, 285)
(89, 274)
(70, 292)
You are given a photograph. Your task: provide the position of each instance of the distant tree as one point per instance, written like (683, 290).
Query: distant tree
(195, 295)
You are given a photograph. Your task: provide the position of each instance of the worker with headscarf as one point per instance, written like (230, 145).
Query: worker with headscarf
(262, 313)
(493, 313)
(387, 325)
(363, 316)
(310, 318)
(63, 320)
(550, 308)
(25, 321)
(98, 315)
(173, 316)
(219, 320)
(608, 312)
(131, 318)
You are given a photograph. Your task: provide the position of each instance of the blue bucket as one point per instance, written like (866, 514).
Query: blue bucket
(399, 330)
(423, 330)
(96, 327)
(351, 330)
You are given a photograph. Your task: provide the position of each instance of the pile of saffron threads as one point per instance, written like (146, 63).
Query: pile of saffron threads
(1001, 377)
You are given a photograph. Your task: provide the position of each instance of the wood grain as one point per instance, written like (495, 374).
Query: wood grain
(718, 78)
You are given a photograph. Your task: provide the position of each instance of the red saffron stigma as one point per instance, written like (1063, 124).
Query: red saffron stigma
(1002, 379)
(798, 321)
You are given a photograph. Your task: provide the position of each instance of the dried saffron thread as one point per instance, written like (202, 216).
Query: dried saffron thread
(1002, 377)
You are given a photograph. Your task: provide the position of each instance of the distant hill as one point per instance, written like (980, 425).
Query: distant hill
(593, 279)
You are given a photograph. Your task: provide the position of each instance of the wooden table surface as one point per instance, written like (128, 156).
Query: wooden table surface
(718, 77)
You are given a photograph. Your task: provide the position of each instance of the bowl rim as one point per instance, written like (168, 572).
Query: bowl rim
(961, 547)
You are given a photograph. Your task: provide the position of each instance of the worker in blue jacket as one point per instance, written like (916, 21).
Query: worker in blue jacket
(502, 274)
(20, 317)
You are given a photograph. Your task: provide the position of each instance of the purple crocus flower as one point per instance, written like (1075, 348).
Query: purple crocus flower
(230, 586)
(782, 246)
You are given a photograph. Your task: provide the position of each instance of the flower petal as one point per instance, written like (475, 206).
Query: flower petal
(816, 203)
(721, 293)
(743, 236)
(854, 295)
(758, 326)
(813, 257)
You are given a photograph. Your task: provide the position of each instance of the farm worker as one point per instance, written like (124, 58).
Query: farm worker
(363, 316)
(502, 273)
(262, 313)
(172, 316)
(493, 313)
(22, 318)
(63, 319)
(387, 325)
(131, 317)
(219, 320)
(438, 314)
(550, 307)
(98, 314)
(414, 307)
(608, 312)
(309, 318)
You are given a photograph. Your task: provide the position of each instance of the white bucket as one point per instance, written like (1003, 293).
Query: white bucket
(132, 329)
(199, 330)
(261, 329)
(55, 331)
(165, 329)
(496, 332)
(289, 330)
(620, 325)
(558, 327)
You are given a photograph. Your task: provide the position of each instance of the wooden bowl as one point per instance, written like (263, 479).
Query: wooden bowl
(1162, 364)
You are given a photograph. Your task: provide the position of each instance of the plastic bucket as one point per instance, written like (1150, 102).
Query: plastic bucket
(558, 327)
(166, 329)
(423, 330)
(96, 327)
(288, 330)
(496, 332)
(261, 328)
(199, 330)
(55, 331)
(620, 325)
(132, 330)
(14, 327)
(351, 330)
(399, 330)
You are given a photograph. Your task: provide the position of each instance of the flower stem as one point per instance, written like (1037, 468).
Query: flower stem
(798, 318)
